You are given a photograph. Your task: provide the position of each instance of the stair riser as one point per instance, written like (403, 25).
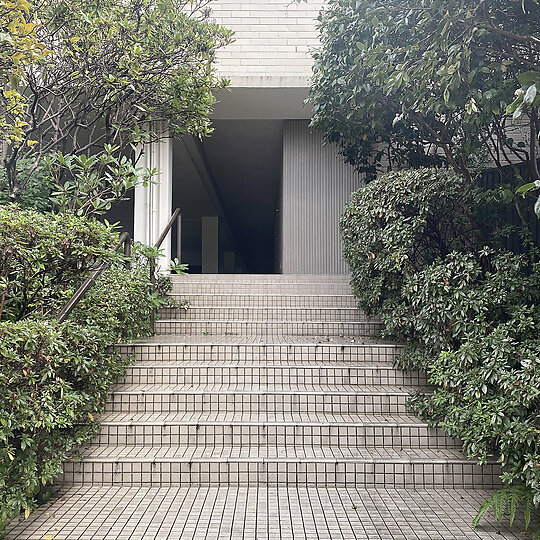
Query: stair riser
(372, 354)
(261, 278)
(310, 289)
(243, 328)
(271, 375)
(410, 475)
(273, 435)
(246, 403)
(262, 314)
(267, 301)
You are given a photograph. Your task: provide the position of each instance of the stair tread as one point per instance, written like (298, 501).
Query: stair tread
(276, 388)
(275, 364)
(258, 453)
(257, 418)
(264, 340)
(270, 321)
(192, 307)
(269, 295)
(248, 277)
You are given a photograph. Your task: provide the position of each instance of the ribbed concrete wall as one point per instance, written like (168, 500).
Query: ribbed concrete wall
(316, 186)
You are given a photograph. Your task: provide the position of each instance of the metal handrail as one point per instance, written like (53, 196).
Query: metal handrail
(167, 228)
(125, 241)
(152, 265)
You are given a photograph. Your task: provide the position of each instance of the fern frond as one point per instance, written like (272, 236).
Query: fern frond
(527, 511)
(499, 505)
(483, 510)
(513, 501)
(511, 497)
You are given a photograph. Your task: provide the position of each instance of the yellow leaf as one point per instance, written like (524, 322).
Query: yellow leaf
(31, 143)
(10, 455)
(91, 417)
(26, 513)
(48, 537)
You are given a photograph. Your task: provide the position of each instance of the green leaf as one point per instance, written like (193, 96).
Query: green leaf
(529, 77)
(522, 190)
(537, 207)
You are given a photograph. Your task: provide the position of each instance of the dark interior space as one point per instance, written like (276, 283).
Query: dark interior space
(234, 174)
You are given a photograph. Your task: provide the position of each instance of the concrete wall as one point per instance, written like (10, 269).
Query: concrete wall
(273, 39)
(316, 185)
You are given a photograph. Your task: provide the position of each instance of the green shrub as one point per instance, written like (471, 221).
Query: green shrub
(397, 224)
(37, 191)
(422, 256)
(55, 377)
(44, 257)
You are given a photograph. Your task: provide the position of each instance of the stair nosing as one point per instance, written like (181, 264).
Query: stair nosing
(257, 393)
(270, 423)
(270, 295)
(266, 344)
(190, 363)
(270, 321)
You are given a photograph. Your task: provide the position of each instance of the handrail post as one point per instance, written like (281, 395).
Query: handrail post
(127, 252)
(152, 264)
(179, 238)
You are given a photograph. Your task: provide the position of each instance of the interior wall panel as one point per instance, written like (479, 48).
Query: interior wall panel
(316, 186)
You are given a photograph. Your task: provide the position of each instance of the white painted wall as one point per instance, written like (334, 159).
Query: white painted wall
(273, 41)
(153, 204)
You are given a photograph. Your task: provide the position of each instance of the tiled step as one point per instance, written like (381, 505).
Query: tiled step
(260, 349)
(259, 287)
(267, 300)
(268, 388)
(282, 314)
(278, 465)
(235, 430)
(265, 512)
(246, 398)
(270, 328)
(202, 372)
(264, 278)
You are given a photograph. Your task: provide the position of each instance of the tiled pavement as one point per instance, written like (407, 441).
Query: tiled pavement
(270, 410)
(251, 513)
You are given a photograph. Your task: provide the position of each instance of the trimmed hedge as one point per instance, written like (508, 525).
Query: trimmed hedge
(422, 257)
(44, 257)
(55, 377)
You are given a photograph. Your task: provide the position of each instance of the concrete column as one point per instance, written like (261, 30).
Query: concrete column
(210, 247)
(153, 204)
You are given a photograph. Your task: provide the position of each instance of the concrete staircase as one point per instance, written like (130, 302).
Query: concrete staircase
(255, 397)
(270, 383)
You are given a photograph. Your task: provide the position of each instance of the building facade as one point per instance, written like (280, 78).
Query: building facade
(262, 194)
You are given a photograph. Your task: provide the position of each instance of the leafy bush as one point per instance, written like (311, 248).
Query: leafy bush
(397, 225)
(37, 190)
(421, 255)
(55, 377)
(43, 257)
